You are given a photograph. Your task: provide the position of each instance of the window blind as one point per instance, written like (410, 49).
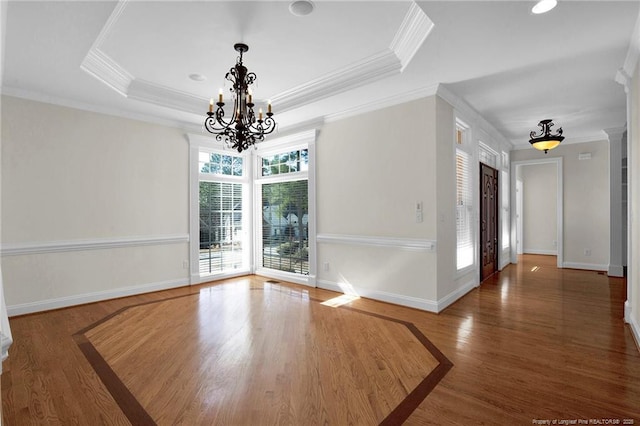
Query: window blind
(464, 210)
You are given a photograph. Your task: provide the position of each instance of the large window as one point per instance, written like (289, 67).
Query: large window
(285, 211)
(252, 212)
(464, 201)
(221, 241)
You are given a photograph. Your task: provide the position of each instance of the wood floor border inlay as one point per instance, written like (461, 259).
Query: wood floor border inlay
(138, 415)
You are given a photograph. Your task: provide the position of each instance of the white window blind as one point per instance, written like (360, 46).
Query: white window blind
(504, 200)
(222, 213)
(464, 210)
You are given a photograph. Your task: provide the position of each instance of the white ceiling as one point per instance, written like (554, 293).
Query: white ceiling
(134, 58)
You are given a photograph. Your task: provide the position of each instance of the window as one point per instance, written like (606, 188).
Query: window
(252, 212)
(221, 240)
(220, 164)
(222, 213)
(464, 210)
(288, 162)
(504, 196)
(285, 211)
(464, 198)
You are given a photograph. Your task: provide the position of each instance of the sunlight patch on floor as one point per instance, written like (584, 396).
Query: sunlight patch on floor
(340, 300)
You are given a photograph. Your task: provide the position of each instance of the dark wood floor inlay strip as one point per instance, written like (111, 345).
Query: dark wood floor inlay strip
(129, 405)
(401, 413)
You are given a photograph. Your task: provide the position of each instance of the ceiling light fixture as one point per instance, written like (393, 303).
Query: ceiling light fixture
(545, 140)
(242, 129)
(543, 6)
(301, 7)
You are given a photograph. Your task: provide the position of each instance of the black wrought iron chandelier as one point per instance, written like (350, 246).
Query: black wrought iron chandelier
(545, 140)
(242, 129)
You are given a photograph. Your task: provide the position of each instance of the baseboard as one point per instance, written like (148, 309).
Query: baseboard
(504, 264)
(615, 270)
(585, 266)
(627, 311)
(383, 296)
(543, 252)
(635, 330)
(455, 295)
(80, 299)
(286, 276)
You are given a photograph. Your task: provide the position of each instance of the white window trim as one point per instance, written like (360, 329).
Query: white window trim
(304, 140)
(467, 146)
(301, 140)
(198, 143)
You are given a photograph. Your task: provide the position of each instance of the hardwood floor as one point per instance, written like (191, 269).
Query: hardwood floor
(532, 344)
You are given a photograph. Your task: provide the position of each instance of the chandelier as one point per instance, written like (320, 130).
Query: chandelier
(545, 140)
(242, 129)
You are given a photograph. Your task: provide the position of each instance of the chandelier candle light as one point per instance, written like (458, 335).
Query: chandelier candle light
(242, 129)
(545, 140)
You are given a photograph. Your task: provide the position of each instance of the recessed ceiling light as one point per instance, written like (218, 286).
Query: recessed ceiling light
(197, 77)
(301, 7)
(544, 6)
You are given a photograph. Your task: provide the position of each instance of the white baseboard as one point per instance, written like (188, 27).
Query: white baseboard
(635, 330)
(615, 270)
(585, 266)
(64, 302)
(504, 264)
(286, 276)
(383, 296)
(627, 311)
(199, 279)
(455, 295)
(536, 251)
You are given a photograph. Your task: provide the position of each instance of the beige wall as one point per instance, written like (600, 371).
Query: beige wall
(585, 204)
(74, 177)
(634, 170)
(369, 178)
(539, 224)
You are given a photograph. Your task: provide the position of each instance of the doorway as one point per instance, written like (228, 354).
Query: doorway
(488, 221)
(516, 166)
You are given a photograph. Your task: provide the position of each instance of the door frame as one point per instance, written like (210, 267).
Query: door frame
(519, 213)
(516, 171)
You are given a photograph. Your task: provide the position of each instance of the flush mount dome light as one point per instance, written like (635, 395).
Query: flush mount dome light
(197, 77)
(301, 7)
(545, 140)
(544, 6)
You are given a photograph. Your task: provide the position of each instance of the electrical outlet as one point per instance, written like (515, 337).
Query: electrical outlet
(325, 266)
(587, 252)
(185, 264)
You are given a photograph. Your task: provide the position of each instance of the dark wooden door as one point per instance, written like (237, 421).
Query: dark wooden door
(488, 221)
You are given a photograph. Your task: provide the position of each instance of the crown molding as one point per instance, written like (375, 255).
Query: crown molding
(633, 53)
(163, 96)
(473, 117)
(413, 31)
(367, 70)
(397, 99)
(99, 65)
(84, 106)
